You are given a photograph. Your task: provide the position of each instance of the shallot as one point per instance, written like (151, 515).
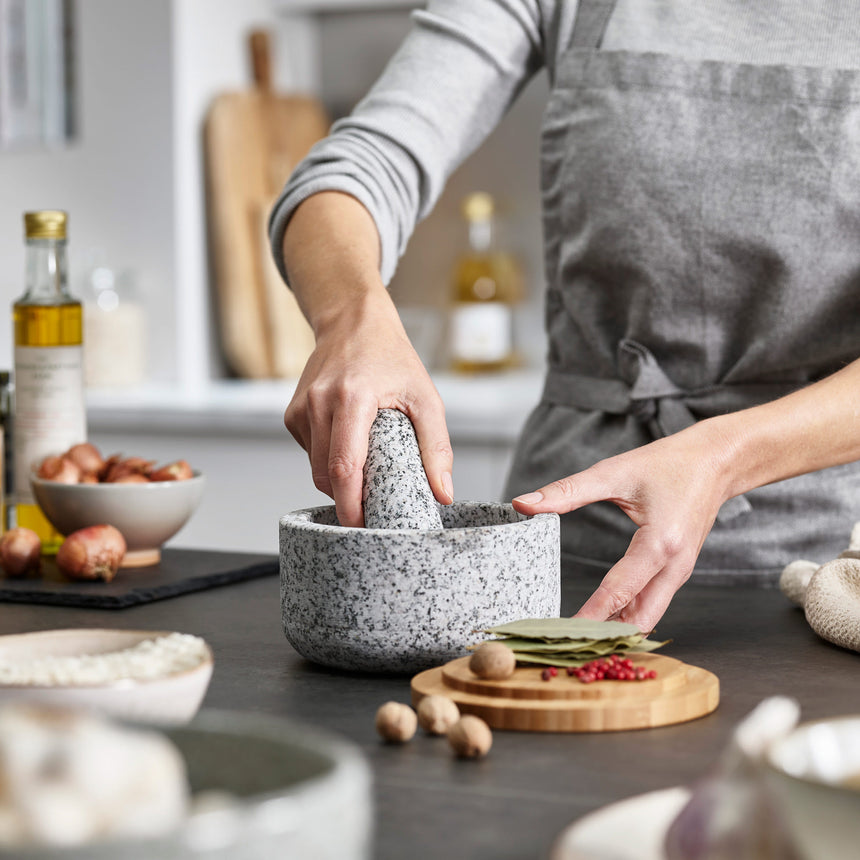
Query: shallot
(59, 469)
(20, 551)
(86, 457)
(177, 471)
(84, 464)
(92, 553)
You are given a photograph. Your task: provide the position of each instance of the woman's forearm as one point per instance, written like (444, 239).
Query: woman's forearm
(808, 430)
(362, 361)
(331, 251)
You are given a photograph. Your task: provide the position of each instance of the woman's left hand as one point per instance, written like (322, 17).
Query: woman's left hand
(672, 489)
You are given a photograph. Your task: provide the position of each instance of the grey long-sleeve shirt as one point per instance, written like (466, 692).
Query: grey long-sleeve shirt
(465, 62)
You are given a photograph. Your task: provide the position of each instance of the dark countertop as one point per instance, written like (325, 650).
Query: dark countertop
(515, 802)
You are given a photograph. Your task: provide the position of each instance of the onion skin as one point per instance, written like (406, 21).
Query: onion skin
(86, 457)
(119, 469)
(59, 469)
(92, 553)
(20, 551)
(131, 478)
(176, 471)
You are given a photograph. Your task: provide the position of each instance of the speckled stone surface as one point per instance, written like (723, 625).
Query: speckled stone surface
(396, 492)
(399, 601)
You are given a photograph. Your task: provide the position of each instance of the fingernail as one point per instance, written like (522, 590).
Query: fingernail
(530, 498)
(448, 485)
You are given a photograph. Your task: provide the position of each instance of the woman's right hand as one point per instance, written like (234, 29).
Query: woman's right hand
(363, 362)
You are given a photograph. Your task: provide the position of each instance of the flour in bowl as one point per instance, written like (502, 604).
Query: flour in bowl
(150, 659)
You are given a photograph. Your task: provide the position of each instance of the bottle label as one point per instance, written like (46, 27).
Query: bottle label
(481, 332)
(50, 414)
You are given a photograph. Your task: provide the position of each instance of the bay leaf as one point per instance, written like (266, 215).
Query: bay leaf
(565, 628)
(543, 660)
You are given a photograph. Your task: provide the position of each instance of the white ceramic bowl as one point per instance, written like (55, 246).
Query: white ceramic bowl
(809, 771)
(165, 699)
(298, 792)
(147, 515)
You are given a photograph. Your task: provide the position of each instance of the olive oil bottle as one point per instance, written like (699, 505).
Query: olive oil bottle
(50, 412)
(487, 284)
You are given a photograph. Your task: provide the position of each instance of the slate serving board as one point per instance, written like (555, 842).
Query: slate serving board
(180, 571)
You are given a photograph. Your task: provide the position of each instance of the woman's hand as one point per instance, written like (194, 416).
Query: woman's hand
(672, 489)
(364, 362)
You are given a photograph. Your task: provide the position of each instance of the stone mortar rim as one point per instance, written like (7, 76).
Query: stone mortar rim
(300, 520)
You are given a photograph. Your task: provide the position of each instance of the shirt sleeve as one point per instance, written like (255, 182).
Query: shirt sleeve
(448, 85)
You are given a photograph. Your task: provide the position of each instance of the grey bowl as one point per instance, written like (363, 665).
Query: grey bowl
(290, 783)
(402, 600)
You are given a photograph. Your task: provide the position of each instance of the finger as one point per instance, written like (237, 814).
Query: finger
(319, 431)
(566, 494)
(295, 420)
(649, 606)
(436, 452)
(350, 431)
(645, 558)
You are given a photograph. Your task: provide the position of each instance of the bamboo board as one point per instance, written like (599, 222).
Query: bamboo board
(525, 702)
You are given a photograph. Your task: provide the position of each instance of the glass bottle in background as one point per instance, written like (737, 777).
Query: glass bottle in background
(487, 284)
(50, 413)
(5, 446)
(114, 327)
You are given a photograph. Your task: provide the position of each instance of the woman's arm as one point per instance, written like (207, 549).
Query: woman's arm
(673, 488)
(346, 214)
(363, 360)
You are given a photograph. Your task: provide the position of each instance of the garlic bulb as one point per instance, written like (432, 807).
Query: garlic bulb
(730, 815)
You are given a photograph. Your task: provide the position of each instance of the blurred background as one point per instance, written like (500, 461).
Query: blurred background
(109, 110)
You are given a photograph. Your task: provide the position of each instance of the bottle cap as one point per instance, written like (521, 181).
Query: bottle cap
(478, 206)
(45, 224)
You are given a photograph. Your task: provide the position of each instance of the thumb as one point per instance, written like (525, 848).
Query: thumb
(566, 494)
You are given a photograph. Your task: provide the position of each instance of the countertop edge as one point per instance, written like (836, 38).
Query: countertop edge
(487, 408)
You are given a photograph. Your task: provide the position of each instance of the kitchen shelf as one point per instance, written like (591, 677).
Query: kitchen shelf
(488, 408)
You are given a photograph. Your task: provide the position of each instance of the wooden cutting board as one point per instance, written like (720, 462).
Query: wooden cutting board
(526, 702)
(253, 141)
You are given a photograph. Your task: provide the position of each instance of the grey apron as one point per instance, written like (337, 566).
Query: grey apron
(702, 229)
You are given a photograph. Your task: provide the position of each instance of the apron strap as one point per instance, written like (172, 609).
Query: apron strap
(645, 392)
(592, 16)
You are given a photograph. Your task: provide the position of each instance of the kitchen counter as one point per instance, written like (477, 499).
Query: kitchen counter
(516, 801)
(489, 407)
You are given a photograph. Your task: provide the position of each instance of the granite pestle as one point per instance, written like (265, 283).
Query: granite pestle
(396, 493)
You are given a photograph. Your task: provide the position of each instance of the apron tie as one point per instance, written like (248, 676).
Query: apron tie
(657, 401)
(645, 392)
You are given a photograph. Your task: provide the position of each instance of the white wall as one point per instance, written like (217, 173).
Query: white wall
(132, 180)
(210, 56)
(116, 178)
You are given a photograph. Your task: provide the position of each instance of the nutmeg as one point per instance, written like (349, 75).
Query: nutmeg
(493, 661)
(436, 714)
(396, 722)
(470, 737)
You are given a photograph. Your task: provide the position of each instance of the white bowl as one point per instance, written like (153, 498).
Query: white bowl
(814, 773)
(165, 699)
(296, 792)
(147, 515)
